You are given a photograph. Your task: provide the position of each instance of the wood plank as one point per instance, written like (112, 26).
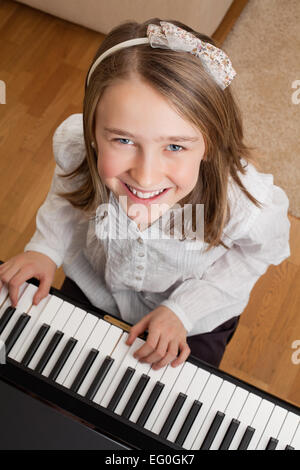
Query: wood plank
(294, 240)
(228, 21)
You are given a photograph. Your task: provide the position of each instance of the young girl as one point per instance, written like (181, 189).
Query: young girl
(160, 131)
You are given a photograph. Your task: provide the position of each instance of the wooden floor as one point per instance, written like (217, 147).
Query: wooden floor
(43, 61)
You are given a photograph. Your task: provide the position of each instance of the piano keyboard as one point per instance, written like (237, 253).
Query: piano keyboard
(78, 361)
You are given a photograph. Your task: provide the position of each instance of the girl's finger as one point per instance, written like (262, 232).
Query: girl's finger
(8, 272)
(159, 352)
(184, 354)
(148, 347)
(136, 330)
(169, 357)
(43, 290)
(16, 281)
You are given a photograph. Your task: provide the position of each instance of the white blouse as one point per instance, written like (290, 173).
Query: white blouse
(132, 274)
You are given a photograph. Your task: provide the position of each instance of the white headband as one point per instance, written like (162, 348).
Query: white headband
(169, 36)
(121, 45)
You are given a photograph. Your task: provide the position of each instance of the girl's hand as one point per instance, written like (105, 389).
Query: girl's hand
(166, 337)
(22, 267)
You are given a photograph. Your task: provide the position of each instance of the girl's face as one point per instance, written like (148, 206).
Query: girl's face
(145, 144)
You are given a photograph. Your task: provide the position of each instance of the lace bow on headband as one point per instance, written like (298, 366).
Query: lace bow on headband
(169, 36)
(215, 61)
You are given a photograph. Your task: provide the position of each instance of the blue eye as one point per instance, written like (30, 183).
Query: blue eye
(173, 145)
(118, 140)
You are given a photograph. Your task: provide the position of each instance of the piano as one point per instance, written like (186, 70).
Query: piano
(69, 381)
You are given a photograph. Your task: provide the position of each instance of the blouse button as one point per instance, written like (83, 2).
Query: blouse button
(140, 240)
(105, 214)
(140, 267)
(138, 278)
(141, 254)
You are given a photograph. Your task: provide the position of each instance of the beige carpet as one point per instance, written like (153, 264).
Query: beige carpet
(264, 47)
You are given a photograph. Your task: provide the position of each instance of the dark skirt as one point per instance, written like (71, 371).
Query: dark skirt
(209, 347)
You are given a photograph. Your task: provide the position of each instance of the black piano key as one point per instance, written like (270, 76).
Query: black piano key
(6, 317)
(16, 331)
(62, 359)
(272, 444)
(84, 370)
(49, 351)
(35, 344)
(189, 420)
(246, 438)
(288, 447)
(157, 389)
(230, 433)
(100, 376)
(121, 389)
(172, 415)
(208, 440)
(135, 396)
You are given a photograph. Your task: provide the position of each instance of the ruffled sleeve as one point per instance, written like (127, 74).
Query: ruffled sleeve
(57, 219)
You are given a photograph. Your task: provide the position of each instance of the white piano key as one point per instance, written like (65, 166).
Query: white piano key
(130, 362)
(140, 369)
(34, 312)
(118, 355)
(93, 342)
(105, 347)
(295, 442)
(69, 329)
(155, 376)
(3, 295)
(193, 392)
(206, 398)
(81, 335)
(2, 352)
(168, 379)
(219, 404)
(48, 312)
(23, 306)
(25, 302)
(260, 421)
(287, 430)
(57, 324)
(245, 417)
(182, 382)
(232, 411)
(273, 427)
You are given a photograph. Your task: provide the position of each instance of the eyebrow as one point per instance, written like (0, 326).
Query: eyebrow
(174, 138)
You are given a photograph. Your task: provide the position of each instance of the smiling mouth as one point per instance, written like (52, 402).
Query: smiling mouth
(144, 196)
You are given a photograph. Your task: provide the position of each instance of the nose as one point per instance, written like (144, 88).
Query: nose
(147, 171)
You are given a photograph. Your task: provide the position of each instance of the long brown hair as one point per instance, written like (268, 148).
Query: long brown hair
(181, 78)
